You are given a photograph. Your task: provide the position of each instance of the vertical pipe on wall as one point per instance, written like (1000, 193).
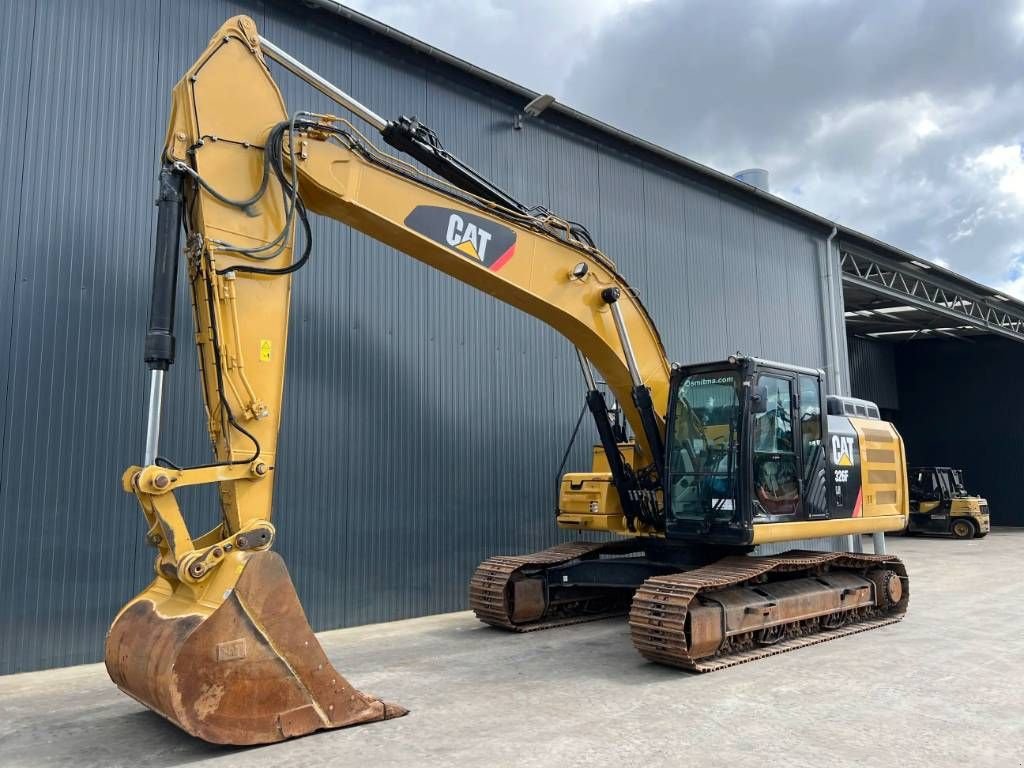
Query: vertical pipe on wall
(837, 543)
(832, 346)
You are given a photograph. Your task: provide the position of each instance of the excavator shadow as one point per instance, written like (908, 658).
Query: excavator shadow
(145, 738)
(598, 652)
(595, 650)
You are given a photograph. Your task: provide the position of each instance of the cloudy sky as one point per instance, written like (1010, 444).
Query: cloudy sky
(903, 119)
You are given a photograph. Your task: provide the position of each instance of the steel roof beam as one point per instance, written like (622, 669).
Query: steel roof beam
(888, 280)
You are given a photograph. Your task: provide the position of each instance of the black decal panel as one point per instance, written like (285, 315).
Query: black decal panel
(475, 237)
(843, 468)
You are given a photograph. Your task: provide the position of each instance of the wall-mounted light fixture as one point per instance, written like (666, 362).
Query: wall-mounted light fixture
(533, 109)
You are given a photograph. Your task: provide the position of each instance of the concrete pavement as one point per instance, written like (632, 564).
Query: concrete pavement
(945, 687)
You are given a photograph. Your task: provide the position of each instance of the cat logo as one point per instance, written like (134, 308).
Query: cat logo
(467, 237)
(475, 237)
(842, 450)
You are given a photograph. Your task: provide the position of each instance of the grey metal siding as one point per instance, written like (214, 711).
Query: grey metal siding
(15, 45)
(873, 372)
(423, 420)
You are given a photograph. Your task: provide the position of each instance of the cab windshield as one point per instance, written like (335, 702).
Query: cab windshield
(703, 446)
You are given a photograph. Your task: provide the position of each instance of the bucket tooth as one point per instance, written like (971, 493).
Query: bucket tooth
(248, 671)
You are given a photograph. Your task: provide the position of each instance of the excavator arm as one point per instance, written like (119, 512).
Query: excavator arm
(218, 642)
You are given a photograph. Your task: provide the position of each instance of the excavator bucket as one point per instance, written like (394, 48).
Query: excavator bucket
(245, 670)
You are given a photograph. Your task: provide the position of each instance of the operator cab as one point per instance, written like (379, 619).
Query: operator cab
(936, 484)
(744, 446)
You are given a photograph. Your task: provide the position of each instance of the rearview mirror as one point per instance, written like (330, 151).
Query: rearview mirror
(759, 399)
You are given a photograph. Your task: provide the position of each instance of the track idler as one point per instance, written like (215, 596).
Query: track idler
(235, 660)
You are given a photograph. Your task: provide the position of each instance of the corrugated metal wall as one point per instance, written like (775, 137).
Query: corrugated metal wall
(423, 420)
(959, 408)
(873, 372)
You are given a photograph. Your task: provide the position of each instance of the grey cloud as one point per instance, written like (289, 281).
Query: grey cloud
(828, 95)
(533, 42)
(867, 112)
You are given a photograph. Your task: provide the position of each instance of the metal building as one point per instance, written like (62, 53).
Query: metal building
(940, 355)
(424, 421)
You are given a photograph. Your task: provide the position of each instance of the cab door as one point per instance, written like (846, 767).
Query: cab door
(777, 477)
(939, 517)
(814, 486)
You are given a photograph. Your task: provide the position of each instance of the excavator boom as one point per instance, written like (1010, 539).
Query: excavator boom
(218, 642)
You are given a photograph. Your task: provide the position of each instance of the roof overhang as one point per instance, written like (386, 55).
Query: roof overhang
(904, 299)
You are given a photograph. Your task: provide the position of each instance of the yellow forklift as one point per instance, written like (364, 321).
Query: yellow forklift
(939, 503)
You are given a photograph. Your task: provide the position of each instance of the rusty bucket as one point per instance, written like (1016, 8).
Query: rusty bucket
(241, 666)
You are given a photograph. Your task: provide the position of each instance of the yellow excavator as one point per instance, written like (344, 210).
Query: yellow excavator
(723, 457)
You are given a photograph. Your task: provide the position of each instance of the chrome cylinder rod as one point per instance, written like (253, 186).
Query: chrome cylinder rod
(627, 347)
(156, 398)
(588, 374)
(328, 89)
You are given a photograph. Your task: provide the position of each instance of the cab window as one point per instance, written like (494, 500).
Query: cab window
(776, 479)
(702, 446)
(810, 419)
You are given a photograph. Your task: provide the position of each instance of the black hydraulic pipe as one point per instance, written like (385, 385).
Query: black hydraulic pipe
(644, 404)
(620, 479)
(418, 141)
(159, 347)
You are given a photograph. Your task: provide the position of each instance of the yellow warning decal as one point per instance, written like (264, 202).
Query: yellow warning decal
(265, 350)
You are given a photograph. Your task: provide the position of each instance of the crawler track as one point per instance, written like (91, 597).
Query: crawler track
(661, 615)
(491, 593)
(661, 633)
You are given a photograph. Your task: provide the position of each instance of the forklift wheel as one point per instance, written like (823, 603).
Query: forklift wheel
(962, 529)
